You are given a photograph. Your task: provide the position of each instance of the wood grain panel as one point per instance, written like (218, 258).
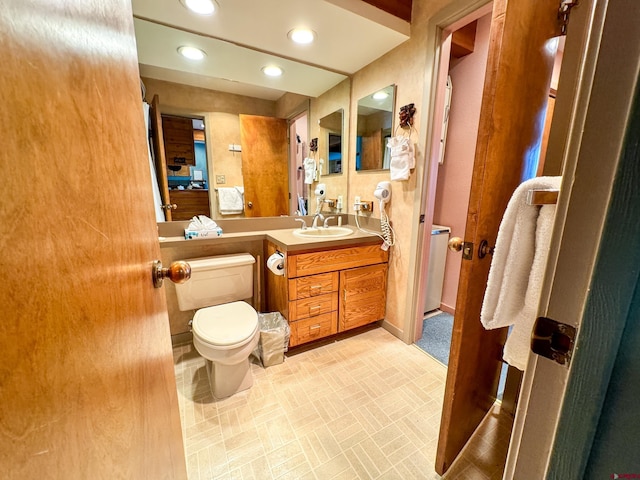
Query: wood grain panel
(190, 203)
(510, 129)
(398, 8)
(463, 40)
(265, 165)
(313, 306)
(87, 386)
(315, 328)
(178, 140)
(332, 260)
(313, 285)
(275, 286)
(363, 296)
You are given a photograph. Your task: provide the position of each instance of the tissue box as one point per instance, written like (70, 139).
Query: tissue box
(188, 234)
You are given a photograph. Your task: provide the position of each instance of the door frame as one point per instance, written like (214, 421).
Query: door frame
(560, 408)
(444, 27)
(293, 172)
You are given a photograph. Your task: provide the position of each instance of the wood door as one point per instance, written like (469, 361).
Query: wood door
(265, 170)
(87, 387)
(160, 158)
(514, 100)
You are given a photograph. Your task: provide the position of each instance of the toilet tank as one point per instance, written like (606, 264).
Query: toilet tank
(217, 280)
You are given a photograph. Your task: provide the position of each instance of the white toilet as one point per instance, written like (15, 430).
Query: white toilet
(227, 333)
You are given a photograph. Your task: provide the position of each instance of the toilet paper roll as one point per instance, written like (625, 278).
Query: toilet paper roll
(275, 263)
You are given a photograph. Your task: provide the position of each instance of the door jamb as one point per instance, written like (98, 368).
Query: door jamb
(456, 15)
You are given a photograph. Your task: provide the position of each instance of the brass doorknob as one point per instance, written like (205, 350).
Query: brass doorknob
(178, 272)
(455, 244)
(250, 204)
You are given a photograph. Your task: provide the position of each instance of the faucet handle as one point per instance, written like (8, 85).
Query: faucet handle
(304, 224)
(326, 221)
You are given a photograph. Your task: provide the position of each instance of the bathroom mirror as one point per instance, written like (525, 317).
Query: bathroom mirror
(330, 142)
(374, 128)
(221, 111)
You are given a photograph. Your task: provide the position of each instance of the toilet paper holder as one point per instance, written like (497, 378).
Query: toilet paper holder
(275, 263)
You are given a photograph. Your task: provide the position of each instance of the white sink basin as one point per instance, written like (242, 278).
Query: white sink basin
(321, 232)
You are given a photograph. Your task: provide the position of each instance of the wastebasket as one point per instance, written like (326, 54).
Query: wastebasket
(274, 338)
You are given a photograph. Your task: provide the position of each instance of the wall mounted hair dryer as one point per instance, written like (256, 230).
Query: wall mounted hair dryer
(383, 192)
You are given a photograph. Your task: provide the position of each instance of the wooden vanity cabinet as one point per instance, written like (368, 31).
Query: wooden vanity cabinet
(329, 291)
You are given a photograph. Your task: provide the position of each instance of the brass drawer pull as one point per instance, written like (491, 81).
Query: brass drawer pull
(315, 290)
(315, 310)
(314, 329)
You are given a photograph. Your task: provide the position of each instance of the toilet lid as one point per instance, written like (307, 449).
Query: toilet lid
(226, 324)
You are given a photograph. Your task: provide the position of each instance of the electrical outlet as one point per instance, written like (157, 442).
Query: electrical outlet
(356, 199)
(221, 179)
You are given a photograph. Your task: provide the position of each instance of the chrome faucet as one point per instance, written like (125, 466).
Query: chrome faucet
(326, 221)
(314, 224)
(304, 224)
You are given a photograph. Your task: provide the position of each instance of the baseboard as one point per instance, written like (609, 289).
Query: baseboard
(181, 339)
(447, 309)
(393, 330)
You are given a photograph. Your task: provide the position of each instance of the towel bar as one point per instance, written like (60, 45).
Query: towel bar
(542, 197)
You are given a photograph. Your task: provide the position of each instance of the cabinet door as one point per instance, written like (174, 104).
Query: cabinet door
(363, 296)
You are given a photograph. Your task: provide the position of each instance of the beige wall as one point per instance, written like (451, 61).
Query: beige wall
(454, 175)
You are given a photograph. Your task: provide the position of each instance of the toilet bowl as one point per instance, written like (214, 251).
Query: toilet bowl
(226, 345)
(225, 329)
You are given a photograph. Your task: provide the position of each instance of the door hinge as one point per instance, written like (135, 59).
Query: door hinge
(422, 218)
(553, 340)
(563, 14)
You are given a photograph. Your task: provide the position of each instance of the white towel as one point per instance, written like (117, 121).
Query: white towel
(402, 157)
(230, 200)
(517, 269)
(309, 165)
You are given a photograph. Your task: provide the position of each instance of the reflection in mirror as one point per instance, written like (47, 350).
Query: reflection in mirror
(374, 128)
(187, 172)
(330, 142)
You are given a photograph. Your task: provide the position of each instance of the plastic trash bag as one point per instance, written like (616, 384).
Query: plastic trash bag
(274, 338)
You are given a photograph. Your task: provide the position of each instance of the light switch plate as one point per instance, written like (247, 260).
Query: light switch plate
(221, 179)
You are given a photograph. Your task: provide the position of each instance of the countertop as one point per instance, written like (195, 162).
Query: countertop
(283, 238)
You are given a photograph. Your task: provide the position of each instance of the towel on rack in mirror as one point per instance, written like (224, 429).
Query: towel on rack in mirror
(230, 200)
(309, 165)
(517, 269)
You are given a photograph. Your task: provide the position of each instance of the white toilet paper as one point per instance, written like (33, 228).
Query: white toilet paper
(275, 263)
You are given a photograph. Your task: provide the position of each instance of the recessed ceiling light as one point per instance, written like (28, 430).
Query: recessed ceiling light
(201, 7)
(192, 53)
(302, 36)
(272, 71)
(380, 95)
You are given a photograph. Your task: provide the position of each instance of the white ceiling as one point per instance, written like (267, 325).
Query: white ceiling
(244, 35)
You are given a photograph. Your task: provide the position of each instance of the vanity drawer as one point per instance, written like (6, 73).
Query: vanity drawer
(313, 285)
(314, 328)
(332, 260)
(313, 306)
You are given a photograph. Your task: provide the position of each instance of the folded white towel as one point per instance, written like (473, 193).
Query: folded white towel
(309, 165)
(402, 157)
(517, 269)
(230, 200)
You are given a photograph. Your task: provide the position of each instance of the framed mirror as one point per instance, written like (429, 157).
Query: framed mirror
(331, 142)
(374, 128)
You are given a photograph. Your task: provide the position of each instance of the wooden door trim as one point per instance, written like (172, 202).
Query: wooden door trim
(160, 157)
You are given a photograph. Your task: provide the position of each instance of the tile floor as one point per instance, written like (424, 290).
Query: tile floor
(364, 407)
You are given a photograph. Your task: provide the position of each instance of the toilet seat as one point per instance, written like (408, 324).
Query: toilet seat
(227, 325)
